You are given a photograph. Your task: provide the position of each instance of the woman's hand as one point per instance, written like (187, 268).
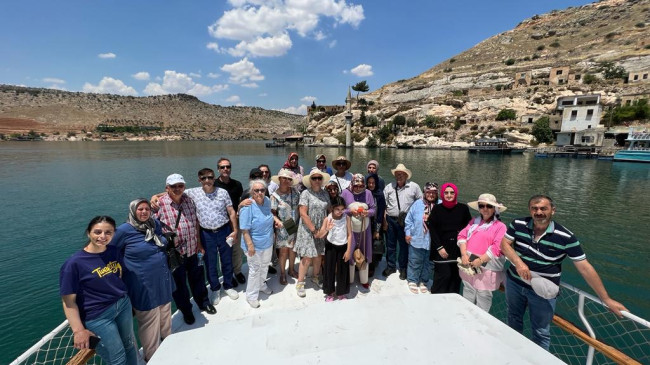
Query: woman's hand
(82, 339)
(346, 256)
(251, 251)
(464, 259)
(278, 224)
(443, 253)
(245, 203)
(407, 239)
(476, 263)
(376, 235)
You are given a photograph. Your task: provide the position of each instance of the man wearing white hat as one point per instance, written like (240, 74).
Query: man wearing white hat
(535, 269)
(399, 195)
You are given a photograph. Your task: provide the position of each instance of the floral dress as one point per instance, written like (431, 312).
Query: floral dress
(287, 208)
(317, 203)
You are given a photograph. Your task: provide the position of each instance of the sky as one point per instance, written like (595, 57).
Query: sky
(274, 54)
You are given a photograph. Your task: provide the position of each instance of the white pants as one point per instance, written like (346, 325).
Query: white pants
(258, 267)
(482, 298)
(153, 325)
(363, 273)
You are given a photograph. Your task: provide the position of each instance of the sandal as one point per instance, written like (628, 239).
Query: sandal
(293, 274)
(283, 280)
(423, 288)
(413, 287)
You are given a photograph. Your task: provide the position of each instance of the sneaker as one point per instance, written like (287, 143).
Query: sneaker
(266, 290)
(240, 278)
(254, 303)
(300, 289)
(388, 272)
(329, 298)
(423, 288)
(272, 270)
(316, 280)
(342, 297)
(232, 294)
(216, 295)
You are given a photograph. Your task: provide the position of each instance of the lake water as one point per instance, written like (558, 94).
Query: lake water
(51, 190)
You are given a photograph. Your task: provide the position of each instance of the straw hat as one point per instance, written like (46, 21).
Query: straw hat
(402, 168)
(285, 173)
(315, 171)
(343, 159)
(487, 199)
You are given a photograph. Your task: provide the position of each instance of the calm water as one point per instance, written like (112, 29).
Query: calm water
(51, 190)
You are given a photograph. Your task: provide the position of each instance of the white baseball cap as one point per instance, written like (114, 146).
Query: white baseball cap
(174, 179)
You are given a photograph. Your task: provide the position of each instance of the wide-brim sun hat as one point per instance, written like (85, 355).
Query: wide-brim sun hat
(487, 199)
(306, 180)
(401, 168)
(342, 159)
(285, 173)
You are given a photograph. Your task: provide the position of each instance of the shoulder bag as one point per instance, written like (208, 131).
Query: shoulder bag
(174, 258)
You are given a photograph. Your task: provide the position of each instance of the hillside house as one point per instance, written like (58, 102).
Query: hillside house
(638, 76)
(523, 79)
(580, 122)
(529, 119)
(627, 100)
(559, 75)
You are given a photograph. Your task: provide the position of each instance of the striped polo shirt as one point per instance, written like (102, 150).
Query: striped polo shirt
(544, 256)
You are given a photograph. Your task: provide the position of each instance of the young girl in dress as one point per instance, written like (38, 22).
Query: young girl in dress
(338, 229)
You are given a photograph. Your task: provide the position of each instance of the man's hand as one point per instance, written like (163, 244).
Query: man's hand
(615, 307)
(443, 253)
(408, 239)
(523, 271)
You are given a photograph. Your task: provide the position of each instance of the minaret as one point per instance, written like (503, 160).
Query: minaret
(348, 120)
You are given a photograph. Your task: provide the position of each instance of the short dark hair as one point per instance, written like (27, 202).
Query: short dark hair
(222, 159)
(538, 197)
(337, 201)
(205, 170)
(99, 219)
(264, 165)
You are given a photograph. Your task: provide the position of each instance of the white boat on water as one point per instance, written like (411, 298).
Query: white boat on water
(387, 325)
(638, 149)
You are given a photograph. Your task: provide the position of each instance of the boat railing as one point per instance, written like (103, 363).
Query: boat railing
(583, 332)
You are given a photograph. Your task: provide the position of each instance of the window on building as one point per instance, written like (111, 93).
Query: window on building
(560, 81)
(645, 76)
(587, 139)
(567, 102)
(628, 102)
(558, 72)
(523, 75)
(577, 77)
(574, 114)
(591, 102)
(589, 126)
(590, 113)
(557, 121)
(636, 77)
(530, 120)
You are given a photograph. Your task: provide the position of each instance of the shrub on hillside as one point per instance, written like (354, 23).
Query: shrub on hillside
(507, 114)
(372, 142)
(639, 110)
(399, 120)
(524, 130)
(384, 134)
(432, 121)
(509, 61)
(589, 79)
(555, 44)
(411, 122)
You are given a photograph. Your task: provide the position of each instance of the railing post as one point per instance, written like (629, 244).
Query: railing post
(583, 318)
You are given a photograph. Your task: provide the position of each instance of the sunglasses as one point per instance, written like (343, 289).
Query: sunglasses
(317, 178)
(259, 190)
(177, 186)
(203, 178)
(481, 206)
(340, 164)
(223, 167)
(320, 161)
(266, 172)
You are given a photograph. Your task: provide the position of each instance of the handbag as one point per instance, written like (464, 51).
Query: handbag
(290, 226)
(401, 217)
(174, 258)
(359, 257)
(378, 247)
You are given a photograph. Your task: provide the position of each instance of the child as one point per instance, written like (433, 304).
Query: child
(338, 229)
(418, 239)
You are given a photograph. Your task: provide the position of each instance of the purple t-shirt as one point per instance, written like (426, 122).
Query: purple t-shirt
(96, 280)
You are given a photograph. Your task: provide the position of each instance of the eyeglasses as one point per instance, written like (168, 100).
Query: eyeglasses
(259, 190)
(320, 161)
(481, 206)
(203, 178)
(333, 189)
(177, 186)
(223, 167)
(293, 159)
(317, 178)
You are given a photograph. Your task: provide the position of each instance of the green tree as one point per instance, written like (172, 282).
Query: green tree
(362, 118)
(612, 72)
(361, 87)
(507, 114)
(542, 130)
(457, 124)
(639, 110)
(399, 120)
(372, 121)
(384, 134)
(432, 121)
(411, 122)
(372, 142)
(589, 79)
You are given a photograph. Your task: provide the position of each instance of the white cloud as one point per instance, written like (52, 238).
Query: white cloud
(107, 55)
(213, 75)
(142, 76)
(308, 99)
(195, 75)
(362, 70)
(250, 85)
(109, 85)
(57, 87)
(233, 99)
(214, 46)
(300, 110)
(243, 71)
(263, 94)
(176, 82)
(262, 27)
(332, 44)
(54, 80)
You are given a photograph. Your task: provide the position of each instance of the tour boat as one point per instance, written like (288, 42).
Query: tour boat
(638, 149)
(498, 146)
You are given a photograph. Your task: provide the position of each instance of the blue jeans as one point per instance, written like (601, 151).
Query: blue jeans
(115, 327)
(540, 312)
(395, 237)
(216, 249)
(419, 269)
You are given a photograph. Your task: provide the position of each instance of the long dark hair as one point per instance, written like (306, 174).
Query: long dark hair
(99, 219)
(337, 201)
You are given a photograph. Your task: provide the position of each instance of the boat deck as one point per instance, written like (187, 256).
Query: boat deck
(387, 325)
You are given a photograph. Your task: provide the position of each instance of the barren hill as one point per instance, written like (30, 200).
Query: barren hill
(168, 116)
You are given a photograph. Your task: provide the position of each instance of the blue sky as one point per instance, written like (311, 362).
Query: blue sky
(275, 54)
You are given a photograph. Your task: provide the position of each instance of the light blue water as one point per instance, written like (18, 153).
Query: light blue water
(51, 190)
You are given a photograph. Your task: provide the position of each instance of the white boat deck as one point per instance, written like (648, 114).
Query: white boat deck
(389, 325)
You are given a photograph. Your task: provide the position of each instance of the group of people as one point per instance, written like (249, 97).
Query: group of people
(337, 223)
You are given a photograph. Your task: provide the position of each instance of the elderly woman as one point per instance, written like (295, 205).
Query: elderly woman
(94, 297)
(292, 165)
(360, 207)
(284, 206)
(480, 247)
(146, 274)
(256, 224)
(312, 207)
(342, 177)
(418, 238)
(445, 222)
(377, 221)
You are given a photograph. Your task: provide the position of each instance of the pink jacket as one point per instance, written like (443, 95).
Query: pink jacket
(485, 238)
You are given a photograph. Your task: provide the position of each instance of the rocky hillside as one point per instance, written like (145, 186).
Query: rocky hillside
(61, 113)
(475, 85)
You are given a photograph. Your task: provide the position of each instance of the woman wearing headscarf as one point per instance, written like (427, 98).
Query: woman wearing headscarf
(377, 221)
(360, 207)
(292, 165)
(146, 274)
(480, 252)
(445, 222)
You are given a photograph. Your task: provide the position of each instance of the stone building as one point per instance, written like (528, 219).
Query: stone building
(630, 99)
(580, 121)
(522, 79)
(559, 75)
(638, 76)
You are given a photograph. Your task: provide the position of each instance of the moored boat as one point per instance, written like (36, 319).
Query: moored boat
(497, 146)
(638, 149)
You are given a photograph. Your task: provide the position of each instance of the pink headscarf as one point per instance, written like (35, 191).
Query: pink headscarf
(445, 203)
